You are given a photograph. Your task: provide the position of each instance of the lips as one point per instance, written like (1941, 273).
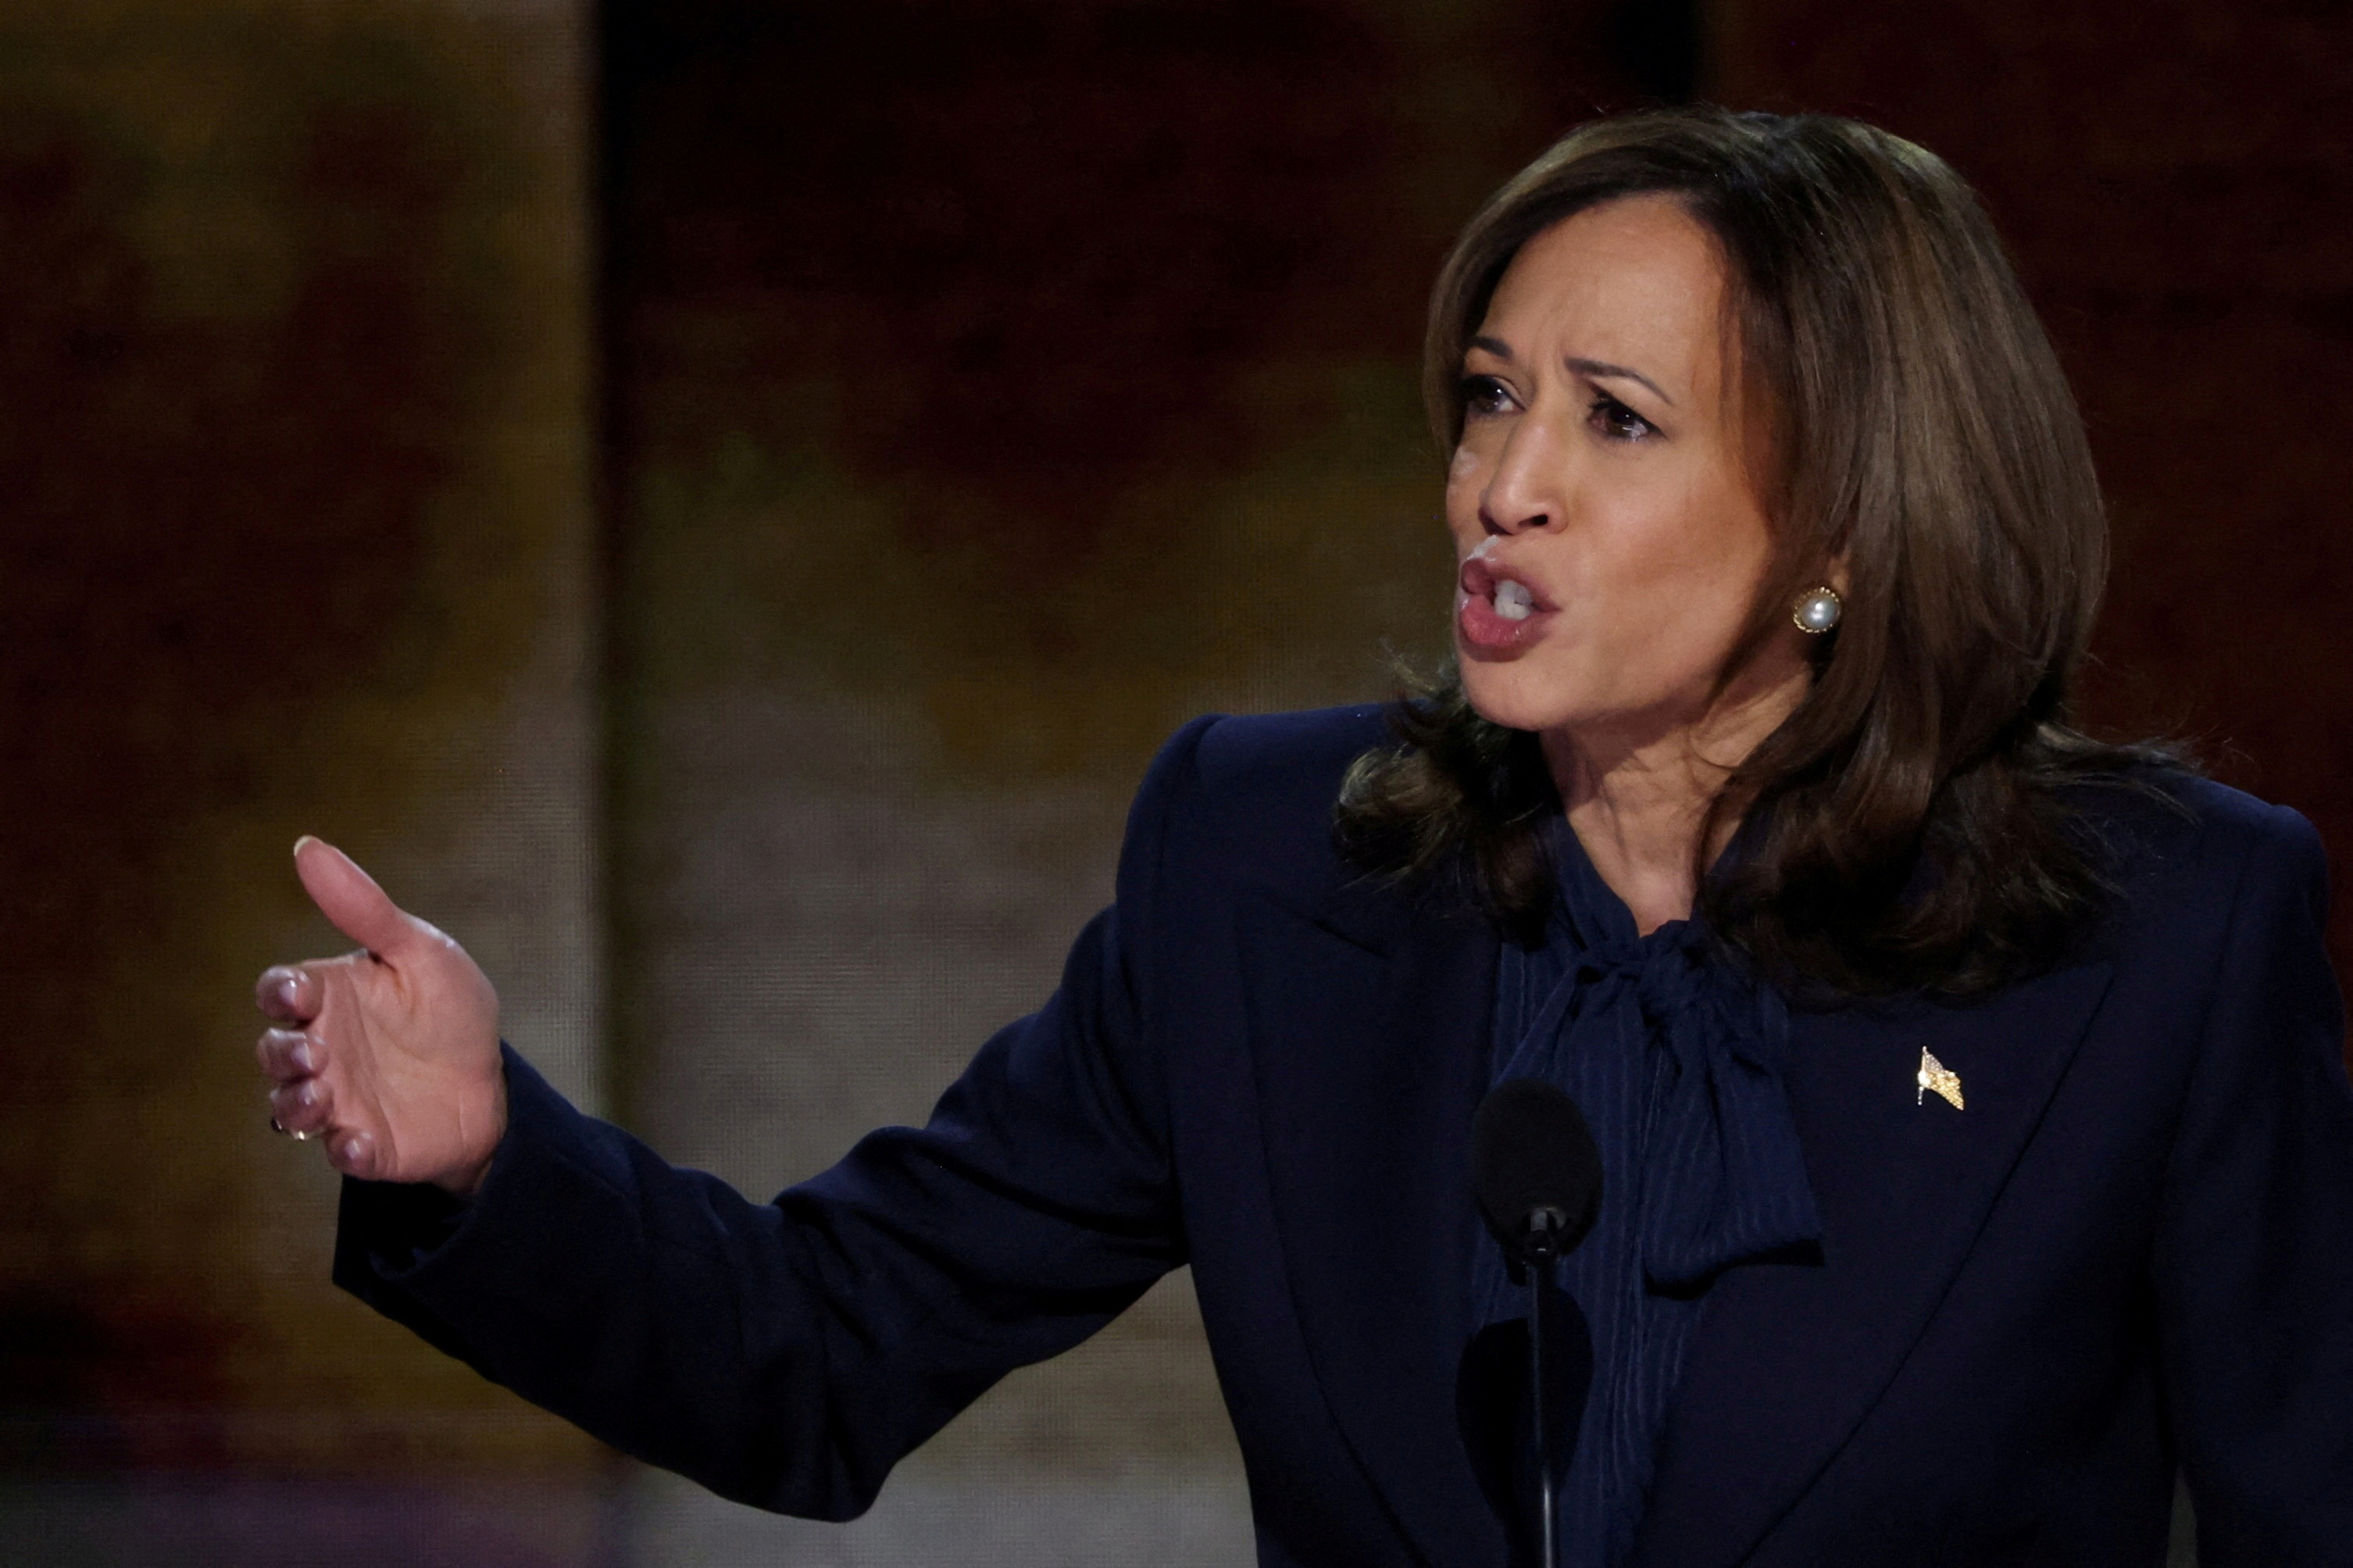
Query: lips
(1494, 611)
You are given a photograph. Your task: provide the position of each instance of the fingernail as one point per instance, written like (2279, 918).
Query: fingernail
(301, 1055)
(307, 1095)
(301, 841)
(281, 991)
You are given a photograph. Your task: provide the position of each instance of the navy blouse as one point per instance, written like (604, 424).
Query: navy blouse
(1675, 1055)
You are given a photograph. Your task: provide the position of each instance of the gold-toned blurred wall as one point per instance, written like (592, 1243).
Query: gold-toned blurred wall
(295, 536)
(971, 398)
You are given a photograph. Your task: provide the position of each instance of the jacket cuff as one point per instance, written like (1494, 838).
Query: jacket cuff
(419, 1256)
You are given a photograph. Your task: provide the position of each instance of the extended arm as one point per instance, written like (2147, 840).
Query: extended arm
(786, 1355)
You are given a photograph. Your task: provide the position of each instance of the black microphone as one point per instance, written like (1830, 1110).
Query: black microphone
(1537, 1178)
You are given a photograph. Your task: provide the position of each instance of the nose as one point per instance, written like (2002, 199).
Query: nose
(1526, 490)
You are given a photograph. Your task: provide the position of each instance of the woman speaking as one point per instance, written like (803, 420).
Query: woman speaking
(1976, 1150)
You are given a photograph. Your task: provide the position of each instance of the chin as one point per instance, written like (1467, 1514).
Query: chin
(1510, 695)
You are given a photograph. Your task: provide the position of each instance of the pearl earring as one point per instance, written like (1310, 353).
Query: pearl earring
(1817, 611)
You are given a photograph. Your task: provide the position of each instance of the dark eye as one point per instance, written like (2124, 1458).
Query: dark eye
(1616, 422)
(1484, 395)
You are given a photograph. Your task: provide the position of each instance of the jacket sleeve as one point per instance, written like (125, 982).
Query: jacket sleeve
(2254, 1251)
(787, 1354)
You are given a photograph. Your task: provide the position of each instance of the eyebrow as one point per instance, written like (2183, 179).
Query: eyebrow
(1600, 369)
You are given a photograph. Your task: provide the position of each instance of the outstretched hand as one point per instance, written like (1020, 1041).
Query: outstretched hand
(389, 1055)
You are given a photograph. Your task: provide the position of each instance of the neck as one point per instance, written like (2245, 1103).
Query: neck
(1637, 790)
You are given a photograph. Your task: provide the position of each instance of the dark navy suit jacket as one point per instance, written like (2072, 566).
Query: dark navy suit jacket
(2131, 1250)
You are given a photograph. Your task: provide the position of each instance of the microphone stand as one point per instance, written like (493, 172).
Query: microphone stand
(1542, 1246)
(1536, 1173)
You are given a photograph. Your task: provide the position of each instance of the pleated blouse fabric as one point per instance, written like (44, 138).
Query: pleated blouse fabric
(1675, 1054)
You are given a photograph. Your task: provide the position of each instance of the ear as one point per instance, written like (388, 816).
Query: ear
(1835, 573)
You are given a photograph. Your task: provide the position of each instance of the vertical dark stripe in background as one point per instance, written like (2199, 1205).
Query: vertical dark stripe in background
(1024, 280)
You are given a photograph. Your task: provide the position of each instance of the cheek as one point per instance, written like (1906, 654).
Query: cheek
(1466, 478)
(1674, 591)
(1707, 549)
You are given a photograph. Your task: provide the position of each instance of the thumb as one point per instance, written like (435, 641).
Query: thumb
(350, 898)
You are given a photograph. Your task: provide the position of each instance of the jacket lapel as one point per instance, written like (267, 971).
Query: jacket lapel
(1368, 1033)
(1789, 1358)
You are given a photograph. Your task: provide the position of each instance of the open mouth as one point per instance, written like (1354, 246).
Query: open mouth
(1494, 612)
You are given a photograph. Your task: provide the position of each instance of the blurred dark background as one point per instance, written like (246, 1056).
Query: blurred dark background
(715, 501)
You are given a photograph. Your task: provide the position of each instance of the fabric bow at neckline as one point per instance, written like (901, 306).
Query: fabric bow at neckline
(1723, 1176)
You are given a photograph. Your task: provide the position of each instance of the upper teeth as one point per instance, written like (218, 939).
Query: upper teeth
(1513, 601)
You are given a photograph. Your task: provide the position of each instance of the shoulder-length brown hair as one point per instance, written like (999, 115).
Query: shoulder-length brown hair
(1907, 824)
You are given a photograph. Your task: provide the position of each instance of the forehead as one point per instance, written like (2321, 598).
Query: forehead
(1637, 280)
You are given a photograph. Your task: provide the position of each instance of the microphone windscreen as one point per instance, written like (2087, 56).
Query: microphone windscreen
(1531, 1149)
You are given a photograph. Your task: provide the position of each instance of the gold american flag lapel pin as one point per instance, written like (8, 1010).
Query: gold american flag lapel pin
(1937, 1079)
